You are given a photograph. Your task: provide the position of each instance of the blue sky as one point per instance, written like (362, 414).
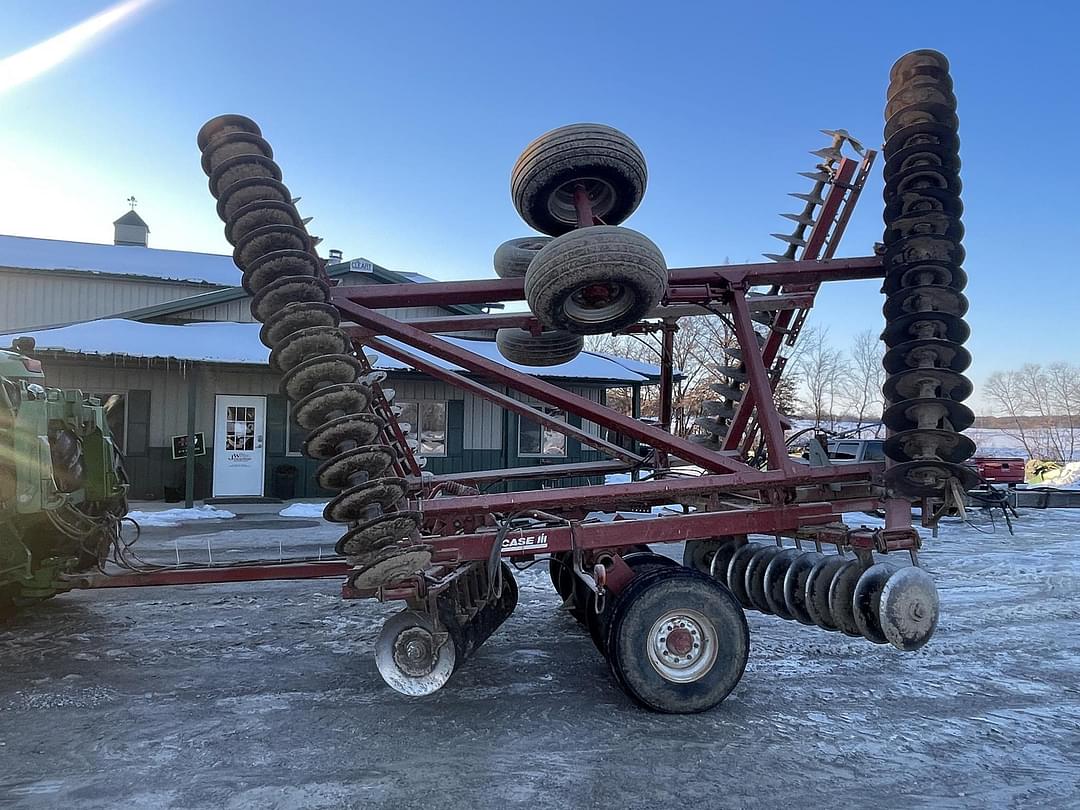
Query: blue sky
(398, 124)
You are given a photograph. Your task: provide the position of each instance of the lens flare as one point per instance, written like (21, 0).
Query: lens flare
(28, 64)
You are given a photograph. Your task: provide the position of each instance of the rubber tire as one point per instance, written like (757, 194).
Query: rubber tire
(597, 255)
(546, 349)
(639, 562)
(512, 257)
(571, 152)
(644, 600)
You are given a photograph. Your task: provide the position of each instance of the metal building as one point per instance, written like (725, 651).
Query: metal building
(164, 333)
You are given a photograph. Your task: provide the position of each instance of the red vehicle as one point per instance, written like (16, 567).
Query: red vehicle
(1000, 470)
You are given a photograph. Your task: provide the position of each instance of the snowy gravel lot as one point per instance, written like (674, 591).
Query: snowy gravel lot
(267, 696)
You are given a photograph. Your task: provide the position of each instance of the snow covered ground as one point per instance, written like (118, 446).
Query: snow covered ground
(167, 518)
(267, 695)
(303, 510)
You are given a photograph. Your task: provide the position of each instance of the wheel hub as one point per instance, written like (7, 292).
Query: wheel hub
(681, 641)
(602, 198)
(682, 646)
(598, 302)
(414, 652)
(598, 293)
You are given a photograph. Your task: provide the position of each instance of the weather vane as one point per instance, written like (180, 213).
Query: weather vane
(132, 202)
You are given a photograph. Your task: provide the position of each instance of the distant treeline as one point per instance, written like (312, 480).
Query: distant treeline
(1026, 422)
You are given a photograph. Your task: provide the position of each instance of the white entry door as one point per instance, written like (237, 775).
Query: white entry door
(239, 445)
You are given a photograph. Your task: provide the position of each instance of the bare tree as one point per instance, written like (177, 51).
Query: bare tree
(698, 349)
(820, 367)
(786, 394)
(1041, 407)
(1063, 391)
(860, 387)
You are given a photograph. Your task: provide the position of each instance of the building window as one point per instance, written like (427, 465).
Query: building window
(535, 439)
(115, 417)
(294, 434)
(428, 421)
(239, 428)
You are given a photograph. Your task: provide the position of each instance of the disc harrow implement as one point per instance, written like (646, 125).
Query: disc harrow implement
(334, 392)
(835, 592)
(763, 531)
(924, 281)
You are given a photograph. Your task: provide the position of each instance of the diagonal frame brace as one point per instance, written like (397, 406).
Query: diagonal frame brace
(502, 400)
(531, 386)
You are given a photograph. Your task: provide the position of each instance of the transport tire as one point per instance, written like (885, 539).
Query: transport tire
(604, 160)
(640, 562)
(678, 641)
(512, 257)
(546, 349)
(596, 280)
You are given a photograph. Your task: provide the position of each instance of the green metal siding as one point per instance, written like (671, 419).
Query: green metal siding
(479, 437)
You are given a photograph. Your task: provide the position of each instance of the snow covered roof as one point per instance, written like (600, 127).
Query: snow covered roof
(28, 253)
(587, 365)
(419, 278)
(223, 342)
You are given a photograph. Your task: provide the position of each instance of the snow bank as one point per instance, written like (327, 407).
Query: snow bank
(303, 510)
(174, 517)
(686, 471)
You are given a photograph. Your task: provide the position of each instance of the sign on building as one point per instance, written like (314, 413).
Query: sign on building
(179, 446)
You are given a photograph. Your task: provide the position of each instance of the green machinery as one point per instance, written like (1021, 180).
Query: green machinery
(63, 489)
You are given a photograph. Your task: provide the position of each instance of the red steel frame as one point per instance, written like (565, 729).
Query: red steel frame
(783, 498)
(733, 497)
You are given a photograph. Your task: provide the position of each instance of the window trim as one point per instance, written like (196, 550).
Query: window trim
(127, 415)
(288, 431)
(417, 429)
(566, 439)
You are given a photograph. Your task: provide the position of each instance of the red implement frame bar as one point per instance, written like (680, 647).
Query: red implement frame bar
(528, 321)
(738, 436)
(617, 533)
(583, 469)
(487, 291)
(657, 491)
(212, 575)
(729, 282)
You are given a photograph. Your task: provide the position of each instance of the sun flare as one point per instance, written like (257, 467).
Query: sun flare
(31, 62)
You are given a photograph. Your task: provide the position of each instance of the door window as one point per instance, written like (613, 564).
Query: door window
(239, 428)
(846, 451)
